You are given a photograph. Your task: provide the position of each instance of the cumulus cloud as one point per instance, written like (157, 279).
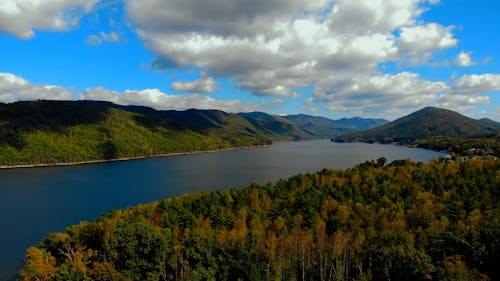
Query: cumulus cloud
(371, 17)
(424, 38)
(374, 94)
(11, 82)
(21, 17)
(157, 99)
(98, 39)
(272, 48)
(386, 95)
(477, 84)
(222, 17)
(204, 84)
(464, 59)
(14, 88)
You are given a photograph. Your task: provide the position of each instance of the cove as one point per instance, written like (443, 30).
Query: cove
(37, 201)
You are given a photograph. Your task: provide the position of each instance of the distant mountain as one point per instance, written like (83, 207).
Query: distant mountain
(425, 123)
(324, 127)
(48, 132)
(490, 122)
(360, 124)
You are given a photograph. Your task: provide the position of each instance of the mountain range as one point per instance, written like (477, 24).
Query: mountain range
(50, 132)
(426, 123)
(324, 127)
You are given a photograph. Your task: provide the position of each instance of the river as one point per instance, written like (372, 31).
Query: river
(37, 201)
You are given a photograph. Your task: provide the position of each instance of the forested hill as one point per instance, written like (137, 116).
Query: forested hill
(270, 126)
(324, 127)
(426, 123)
(46, 132)
(276, 125)
(403, 221)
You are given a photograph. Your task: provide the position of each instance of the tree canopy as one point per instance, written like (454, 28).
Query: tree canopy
(400, 221)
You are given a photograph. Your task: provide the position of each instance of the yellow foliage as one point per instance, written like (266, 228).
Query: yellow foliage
(279, 224)
(39, 265)
(327, 207)
(474, 218)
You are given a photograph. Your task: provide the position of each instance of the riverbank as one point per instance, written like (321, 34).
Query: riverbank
(130, 158)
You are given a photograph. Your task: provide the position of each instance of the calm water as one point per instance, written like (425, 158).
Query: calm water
(36, 201)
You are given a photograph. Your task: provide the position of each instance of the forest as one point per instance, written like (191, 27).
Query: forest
(51, 132)
(375, 221)
(463, 146)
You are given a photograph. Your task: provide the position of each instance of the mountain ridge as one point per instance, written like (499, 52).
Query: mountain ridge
(425, 123)
(325, 127)
(53, 132)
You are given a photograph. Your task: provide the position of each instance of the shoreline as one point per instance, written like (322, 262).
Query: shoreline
(62, 164)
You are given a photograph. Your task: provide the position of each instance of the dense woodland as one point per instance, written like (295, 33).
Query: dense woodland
(486, 146)
(376, 221)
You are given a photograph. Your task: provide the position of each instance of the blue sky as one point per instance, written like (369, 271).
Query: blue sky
(340, 58)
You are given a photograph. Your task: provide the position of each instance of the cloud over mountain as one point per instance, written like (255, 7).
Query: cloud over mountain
(155, 98)
(273, 48)
(13, 88)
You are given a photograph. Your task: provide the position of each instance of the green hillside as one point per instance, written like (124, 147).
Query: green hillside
(276, 127)
(402, 221)
(426, 123)
(47, 132)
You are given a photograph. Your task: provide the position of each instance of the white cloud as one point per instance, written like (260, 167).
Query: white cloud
(384, 95)
(376, 95)
(204, 84)
(220, 17)
(11, 82)
(461, 103)
(157, 99)
(477, 84)
(362, 17)
(21, 17)
(424, 38)
(44, 92)
(464, 59)
(272, 48)
(14, 88)
(98, 39)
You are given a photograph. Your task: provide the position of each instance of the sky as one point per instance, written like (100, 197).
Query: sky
(341, 58)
